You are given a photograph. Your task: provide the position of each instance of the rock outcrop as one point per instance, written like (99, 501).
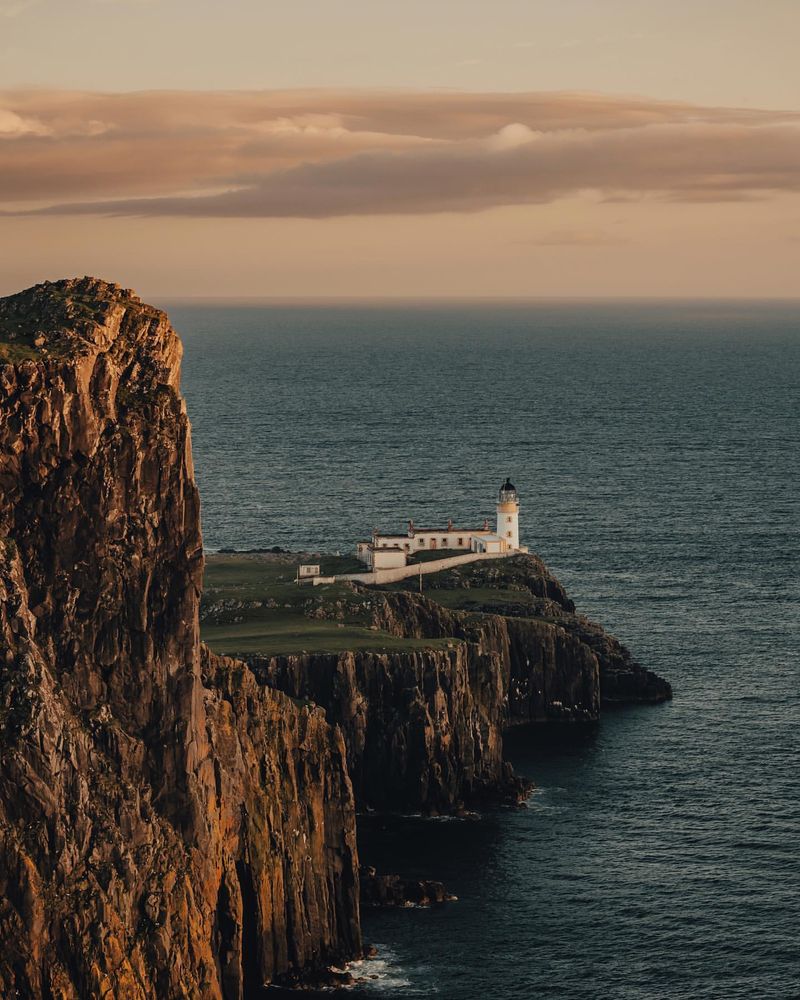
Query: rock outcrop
(547, 672)
(423, 727)
(527, 592)
(388, 891)
(168, 827)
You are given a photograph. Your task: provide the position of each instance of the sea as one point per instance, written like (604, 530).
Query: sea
(656, 450)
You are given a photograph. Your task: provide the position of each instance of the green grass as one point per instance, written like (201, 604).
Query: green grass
(337, 565)
(257, 579)
(282, 637)
(254, 575)
(12, 352)
(489, 599)
(247, 577)
(475, 597)
(285, 627)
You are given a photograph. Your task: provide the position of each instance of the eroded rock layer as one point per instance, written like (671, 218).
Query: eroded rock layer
(540, 615)
(168, 827)
(423, 727)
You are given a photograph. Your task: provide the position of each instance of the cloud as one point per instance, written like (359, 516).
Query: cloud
(13, 125)
(511, 136)
(319, 154)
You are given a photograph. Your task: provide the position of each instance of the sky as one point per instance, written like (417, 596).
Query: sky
(372, 149)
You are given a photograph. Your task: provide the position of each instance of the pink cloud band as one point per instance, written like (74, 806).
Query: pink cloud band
(319, 154)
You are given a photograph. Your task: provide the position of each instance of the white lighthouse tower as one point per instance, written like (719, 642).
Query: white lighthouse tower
(508, 514)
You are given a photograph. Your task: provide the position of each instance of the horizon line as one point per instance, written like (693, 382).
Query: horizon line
(463, 299)
(325, 299)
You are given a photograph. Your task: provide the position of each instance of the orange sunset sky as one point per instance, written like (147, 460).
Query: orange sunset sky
(360, 149)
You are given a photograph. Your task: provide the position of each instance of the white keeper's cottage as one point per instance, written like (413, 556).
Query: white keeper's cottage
(391, 551)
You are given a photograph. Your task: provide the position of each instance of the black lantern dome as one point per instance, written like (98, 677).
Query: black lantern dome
(508, 492)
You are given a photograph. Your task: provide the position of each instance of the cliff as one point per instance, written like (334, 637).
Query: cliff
(424, 726)
(538, 615)
(168, 827)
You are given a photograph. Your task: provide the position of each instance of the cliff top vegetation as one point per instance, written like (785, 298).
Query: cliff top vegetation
(55, 317)
(252, 604)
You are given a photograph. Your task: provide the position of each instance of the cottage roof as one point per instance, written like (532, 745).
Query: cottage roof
(439, 531)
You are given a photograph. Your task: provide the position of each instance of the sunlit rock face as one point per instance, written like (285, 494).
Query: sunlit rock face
(168, 827)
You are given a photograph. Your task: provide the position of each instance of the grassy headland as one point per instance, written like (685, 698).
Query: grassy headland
(253, 604)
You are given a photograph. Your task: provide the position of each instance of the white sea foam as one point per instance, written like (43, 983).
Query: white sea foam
(381, 973)
(384, 973)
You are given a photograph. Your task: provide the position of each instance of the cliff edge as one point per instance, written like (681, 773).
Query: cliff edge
(168, 827)
(423, 686)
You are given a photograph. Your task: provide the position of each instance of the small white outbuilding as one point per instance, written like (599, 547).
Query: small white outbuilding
(387, 557)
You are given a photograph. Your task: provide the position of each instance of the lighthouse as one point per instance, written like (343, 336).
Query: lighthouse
(508, 514)
(395, 551)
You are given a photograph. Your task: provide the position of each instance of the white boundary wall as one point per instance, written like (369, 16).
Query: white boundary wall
(404, 572)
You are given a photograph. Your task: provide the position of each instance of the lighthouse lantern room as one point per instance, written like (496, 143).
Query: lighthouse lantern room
(508, 514)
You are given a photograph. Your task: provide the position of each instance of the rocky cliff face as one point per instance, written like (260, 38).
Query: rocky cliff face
(423, 728)
(534, 602)
(547, 673)
(168, 827)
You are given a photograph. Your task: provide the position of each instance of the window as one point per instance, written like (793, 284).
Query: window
(461, 541)
(422, 542)
(444, 542)
(508, 534)
(508, 519)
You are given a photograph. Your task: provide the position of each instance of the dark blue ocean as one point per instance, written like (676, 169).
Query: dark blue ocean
(656, 449)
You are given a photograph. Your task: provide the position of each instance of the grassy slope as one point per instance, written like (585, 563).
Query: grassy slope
(467, 600)
(465, 588)
(284, 627)
(14, 352)
(16, 339)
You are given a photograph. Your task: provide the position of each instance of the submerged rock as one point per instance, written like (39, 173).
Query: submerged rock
(384, 891)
